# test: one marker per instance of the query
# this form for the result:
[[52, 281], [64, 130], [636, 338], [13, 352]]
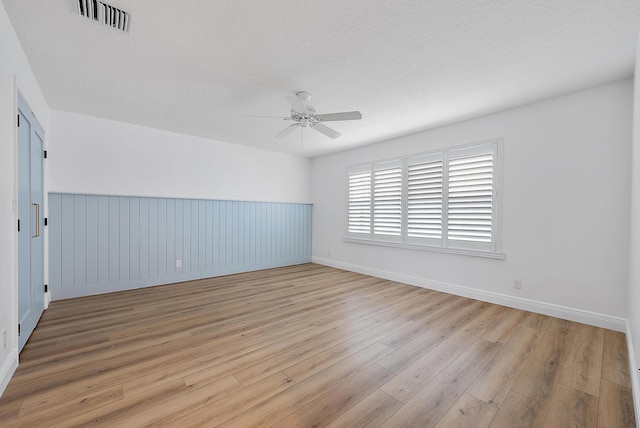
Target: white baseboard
[[558, 311], [633, 370], [9, 367]]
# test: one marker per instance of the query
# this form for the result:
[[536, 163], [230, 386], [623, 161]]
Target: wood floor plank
[[196, 398], [468, 412], [290, 400], [572, 408], [412, 379], [584, 363], [320, 361], [432, 311], [204, 413], [336, 401], [426, 304], [371, 412], [509, 325], [431, 403], [538, 321], [61, 354], [296, 353], [405, 355], [540, 373], [519, 411], [32, 416], [82, 363], [615, 366], [225, 360], [496, 380], [616, 406], [9, 409], [86, 377], [119, 412], [310, 345]]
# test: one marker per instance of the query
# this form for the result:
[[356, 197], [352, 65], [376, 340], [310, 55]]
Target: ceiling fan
[[304, 115]]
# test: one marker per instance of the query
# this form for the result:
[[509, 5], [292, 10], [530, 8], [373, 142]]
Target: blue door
[[30, 222]]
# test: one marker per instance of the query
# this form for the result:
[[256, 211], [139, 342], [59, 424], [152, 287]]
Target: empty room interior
[[302, 214]]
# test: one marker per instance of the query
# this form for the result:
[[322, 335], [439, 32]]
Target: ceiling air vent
[[105, 13]]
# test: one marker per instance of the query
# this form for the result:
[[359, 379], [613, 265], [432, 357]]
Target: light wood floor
[[312, 346]]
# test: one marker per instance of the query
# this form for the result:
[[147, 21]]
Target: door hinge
[[18, 121], [46, 288], [18, 329], [45, 154], [46, 221], [18, 225]]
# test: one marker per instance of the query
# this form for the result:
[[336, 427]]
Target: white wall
[[15, 73], [566, 207], [99, 156], [633, 301]]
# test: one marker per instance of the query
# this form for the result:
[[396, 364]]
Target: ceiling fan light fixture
[[304, 115]]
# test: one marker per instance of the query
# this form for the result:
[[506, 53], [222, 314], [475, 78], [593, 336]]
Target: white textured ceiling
[[196, 66]]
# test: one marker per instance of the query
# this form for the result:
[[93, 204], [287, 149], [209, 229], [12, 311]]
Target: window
[[445, 201]]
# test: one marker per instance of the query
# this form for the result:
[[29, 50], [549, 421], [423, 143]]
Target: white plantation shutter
[[387, 200], [471, 199], [446, 200], [424, 197], [359, 200]]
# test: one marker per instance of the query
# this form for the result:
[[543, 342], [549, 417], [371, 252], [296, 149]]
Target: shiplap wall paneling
[[109, 243]]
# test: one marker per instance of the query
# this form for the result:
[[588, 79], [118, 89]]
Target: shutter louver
[[387, 208], [424, 200], [470, 198], [360, 202]]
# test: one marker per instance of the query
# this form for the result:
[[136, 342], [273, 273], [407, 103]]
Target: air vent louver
[[105, 14]]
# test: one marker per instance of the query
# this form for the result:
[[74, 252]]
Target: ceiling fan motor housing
[[304, 119], [304, 96]]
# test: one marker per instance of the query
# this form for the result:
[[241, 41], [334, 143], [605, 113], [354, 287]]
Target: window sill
[[474, 253]]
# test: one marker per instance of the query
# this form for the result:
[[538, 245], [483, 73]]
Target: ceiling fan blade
[[286, 131], [323, 129], [297, 104], [345, 115], [271, 117]]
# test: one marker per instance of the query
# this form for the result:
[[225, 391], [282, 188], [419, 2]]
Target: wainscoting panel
[[100, 244]]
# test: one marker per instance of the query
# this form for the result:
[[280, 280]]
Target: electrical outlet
[[178, 263], [517, 283], [4, 339]]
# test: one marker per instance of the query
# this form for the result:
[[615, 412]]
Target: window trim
[[430, 248], [443, 245]]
